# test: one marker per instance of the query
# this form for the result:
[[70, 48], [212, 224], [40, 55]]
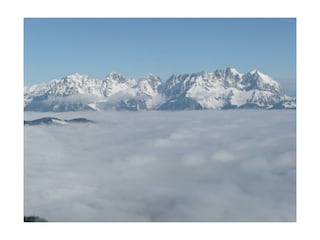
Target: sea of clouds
[[235, 165]]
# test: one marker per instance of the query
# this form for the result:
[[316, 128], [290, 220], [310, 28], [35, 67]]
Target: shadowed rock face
[[53, 120], [181, 103]]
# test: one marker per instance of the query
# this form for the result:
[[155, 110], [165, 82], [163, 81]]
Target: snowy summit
[[221, 89]]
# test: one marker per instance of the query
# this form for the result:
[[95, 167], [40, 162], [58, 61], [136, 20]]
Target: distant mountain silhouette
[[53, 120], [34, 219]]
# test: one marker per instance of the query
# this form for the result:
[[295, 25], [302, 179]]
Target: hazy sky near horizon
[[56, 47]]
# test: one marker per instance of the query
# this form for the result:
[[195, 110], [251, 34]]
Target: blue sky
[[56, 47]]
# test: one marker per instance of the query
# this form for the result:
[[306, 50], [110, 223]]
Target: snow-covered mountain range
[[221, 89]]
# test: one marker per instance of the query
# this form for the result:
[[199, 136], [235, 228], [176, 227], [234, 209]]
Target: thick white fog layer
[[236, 165]]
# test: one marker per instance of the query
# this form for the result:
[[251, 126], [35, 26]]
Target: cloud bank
[[237, 165]]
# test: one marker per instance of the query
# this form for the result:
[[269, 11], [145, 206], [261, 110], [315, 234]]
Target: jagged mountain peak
[[149, 81], [229, 71], [259, 75], [115, 74], [118, 77], [220, 89], [219, 73], [232, 70], [75, 76], [260, 81], [75, 79], [151, 76]]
